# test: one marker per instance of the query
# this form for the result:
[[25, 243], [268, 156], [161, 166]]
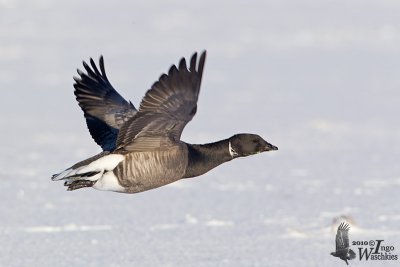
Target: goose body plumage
[[142, 149]]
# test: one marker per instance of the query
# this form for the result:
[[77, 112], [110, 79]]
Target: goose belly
[[141, 171]]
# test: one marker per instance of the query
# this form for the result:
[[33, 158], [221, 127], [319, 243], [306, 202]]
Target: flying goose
[[142, 149], [343, 250]]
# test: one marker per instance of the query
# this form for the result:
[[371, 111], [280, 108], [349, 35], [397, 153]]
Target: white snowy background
[[319, 79]]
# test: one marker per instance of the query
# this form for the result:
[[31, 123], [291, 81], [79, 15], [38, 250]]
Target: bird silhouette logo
[[343, 250]]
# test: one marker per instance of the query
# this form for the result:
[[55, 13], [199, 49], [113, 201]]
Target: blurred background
[[318, 79]]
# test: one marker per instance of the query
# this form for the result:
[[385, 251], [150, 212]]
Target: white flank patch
[[108, 182], [100, 165], [106, 163]]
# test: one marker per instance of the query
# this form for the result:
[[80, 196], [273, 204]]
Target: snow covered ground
[[319, 79]]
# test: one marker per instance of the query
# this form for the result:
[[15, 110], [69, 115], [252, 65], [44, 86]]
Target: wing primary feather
[[172, 71], [167, 106], [103, 70], [182, 65], [94, 67], [88, 70], [201, 64], [104, 108], [80, 73], [193, 62]]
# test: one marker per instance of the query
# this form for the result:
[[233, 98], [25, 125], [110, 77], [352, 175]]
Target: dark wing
[[105, 110], [103, 134], [342, 237], [165, 109]]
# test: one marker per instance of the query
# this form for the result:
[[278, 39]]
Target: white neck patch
[[232, 152]]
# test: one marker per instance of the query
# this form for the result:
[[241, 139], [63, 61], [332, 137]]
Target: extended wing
[[342, 237], [165, 109], [104, 109]]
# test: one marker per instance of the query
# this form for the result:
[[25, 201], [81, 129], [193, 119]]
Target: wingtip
[[172, 70], [85, 65], [92, 62], [193, 60], [80, 73], [102, 68], [182, 64], [101, 61], [202, 61], [76, 79]]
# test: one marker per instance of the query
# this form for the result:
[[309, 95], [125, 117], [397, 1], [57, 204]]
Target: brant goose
[[142, 149]]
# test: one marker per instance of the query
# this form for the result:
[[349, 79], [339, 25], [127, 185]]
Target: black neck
[[203, 158]]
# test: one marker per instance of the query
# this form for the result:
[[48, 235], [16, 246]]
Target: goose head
[[242, 145]]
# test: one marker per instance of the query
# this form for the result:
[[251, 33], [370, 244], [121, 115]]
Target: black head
[[242, 145]]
